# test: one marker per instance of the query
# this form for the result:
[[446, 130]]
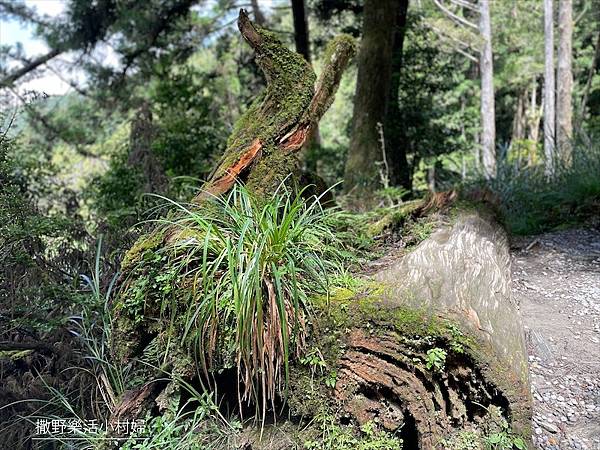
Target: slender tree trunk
[[372, 91], [141, 156], [518, 126], [394, 129], [534, 116], [588, 84], [259, 17], [549, 89], [488, 114], [564, 78]]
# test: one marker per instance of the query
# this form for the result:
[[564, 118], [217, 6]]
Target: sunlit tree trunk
[[549, 89], [534, 115], [564, 78], [486, 66]]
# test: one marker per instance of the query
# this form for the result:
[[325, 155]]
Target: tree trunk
[[564, 81], [549, 90], [302, 40], [262, 148], [259, 17], [588, 84], [534, 115], [518, 125], [301, 29], [261, 153], [488, 114], [394, 129], [141, 155], [373, 82]]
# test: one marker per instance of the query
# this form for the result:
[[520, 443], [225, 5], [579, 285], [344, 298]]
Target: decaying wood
[[460, 275], [280, 121]]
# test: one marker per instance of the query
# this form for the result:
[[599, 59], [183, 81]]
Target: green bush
[[252, 264]]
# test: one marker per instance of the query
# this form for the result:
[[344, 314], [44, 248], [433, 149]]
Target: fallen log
[[436, 343], [428, 350]]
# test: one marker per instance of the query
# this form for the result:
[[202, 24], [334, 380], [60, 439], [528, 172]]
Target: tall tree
[[549, 89], [394, 129], [488, 114], [458, 12], [564, 78], [372, 91], [301, 28]]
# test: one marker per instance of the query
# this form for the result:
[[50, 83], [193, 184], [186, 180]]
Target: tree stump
[[262, 154]]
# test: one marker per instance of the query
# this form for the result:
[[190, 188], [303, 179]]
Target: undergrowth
[[334, 436], [531, 202], [190, 421]]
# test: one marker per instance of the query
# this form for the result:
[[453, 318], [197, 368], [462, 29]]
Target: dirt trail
[[556, 280]]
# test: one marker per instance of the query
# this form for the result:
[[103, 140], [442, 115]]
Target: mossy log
[[262, 154], [434, 345]]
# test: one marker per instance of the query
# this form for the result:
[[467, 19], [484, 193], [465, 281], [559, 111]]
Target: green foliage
[[189, 137], [493, 433], [339, 437], [195, 425], [251, 265], [531, 203], [498, 435], [435, 359]]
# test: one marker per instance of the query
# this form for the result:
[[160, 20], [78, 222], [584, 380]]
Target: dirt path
[[556, 280]]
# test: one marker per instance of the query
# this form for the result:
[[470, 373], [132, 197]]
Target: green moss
[[290, 88], [143, 245]]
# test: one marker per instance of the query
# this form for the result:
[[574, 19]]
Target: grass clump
[[531, 202], [250, 266]]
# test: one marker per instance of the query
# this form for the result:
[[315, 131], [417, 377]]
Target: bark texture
[[361, 175], [262, 150], [549, 89], [564, 81], [488, 114]]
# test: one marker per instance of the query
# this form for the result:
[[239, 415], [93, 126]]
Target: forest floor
[[556, 280]]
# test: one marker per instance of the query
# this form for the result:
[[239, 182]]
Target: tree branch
[[10, 79], [36, 346], [465, 4], [455, 17], [465, 53], [281, 119]]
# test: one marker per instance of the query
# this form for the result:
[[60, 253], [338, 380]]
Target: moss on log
[[153, 297]]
